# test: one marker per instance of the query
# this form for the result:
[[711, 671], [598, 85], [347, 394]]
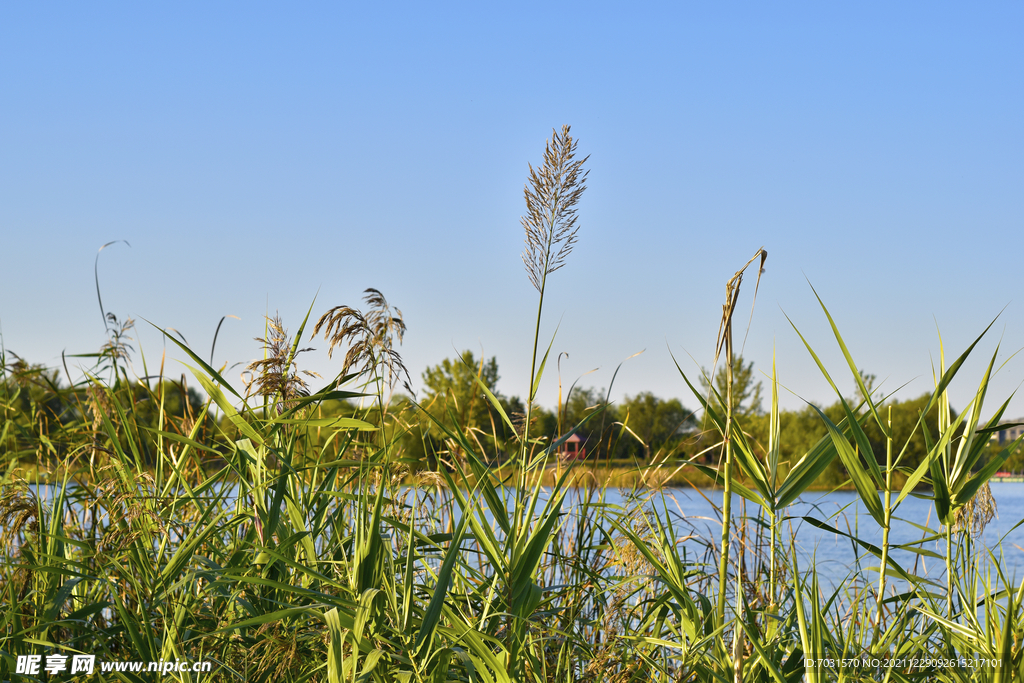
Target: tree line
[[643, 427], [43, 418]]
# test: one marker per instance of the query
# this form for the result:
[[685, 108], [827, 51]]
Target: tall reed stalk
[[886, 528], [955, 476], [552, 194], [732, 293]]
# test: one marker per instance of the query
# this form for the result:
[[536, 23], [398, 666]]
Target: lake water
[[693, 511], [835, 556]]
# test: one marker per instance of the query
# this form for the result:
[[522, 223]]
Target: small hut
[[573, 449]]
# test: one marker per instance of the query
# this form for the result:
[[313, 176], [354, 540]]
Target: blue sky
[[254, 154]]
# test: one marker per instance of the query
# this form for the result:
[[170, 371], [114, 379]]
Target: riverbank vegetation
[[312, 529], [627, 441]]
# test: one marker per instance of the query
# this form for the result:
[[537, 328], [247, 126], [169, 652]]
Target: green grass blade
[[432, 614], [862, 481], [200, 362], [853, 368], [540, 370], [229, 410]]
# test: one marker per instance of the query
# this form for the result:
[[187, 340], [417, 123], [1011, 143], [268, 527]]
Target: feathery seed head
[[275, 375], [370, 336], [552, 193]]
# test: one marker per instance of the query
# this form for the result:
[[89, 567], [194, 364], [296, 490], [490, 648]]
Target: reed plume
[[275, 375], [552, 193], [370, 336], [117, 347]]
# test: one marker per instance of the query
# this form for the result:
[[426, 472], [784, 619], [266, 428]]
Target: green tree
[[148, 406], [747, 391], [1015, 463], [654, 422], [579, 405], [35, 410], [801, 429], [453, 397], [600, 432]]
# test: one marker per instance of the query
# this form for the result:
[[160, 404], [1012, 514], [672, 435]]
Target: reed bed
[[280, 541]]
